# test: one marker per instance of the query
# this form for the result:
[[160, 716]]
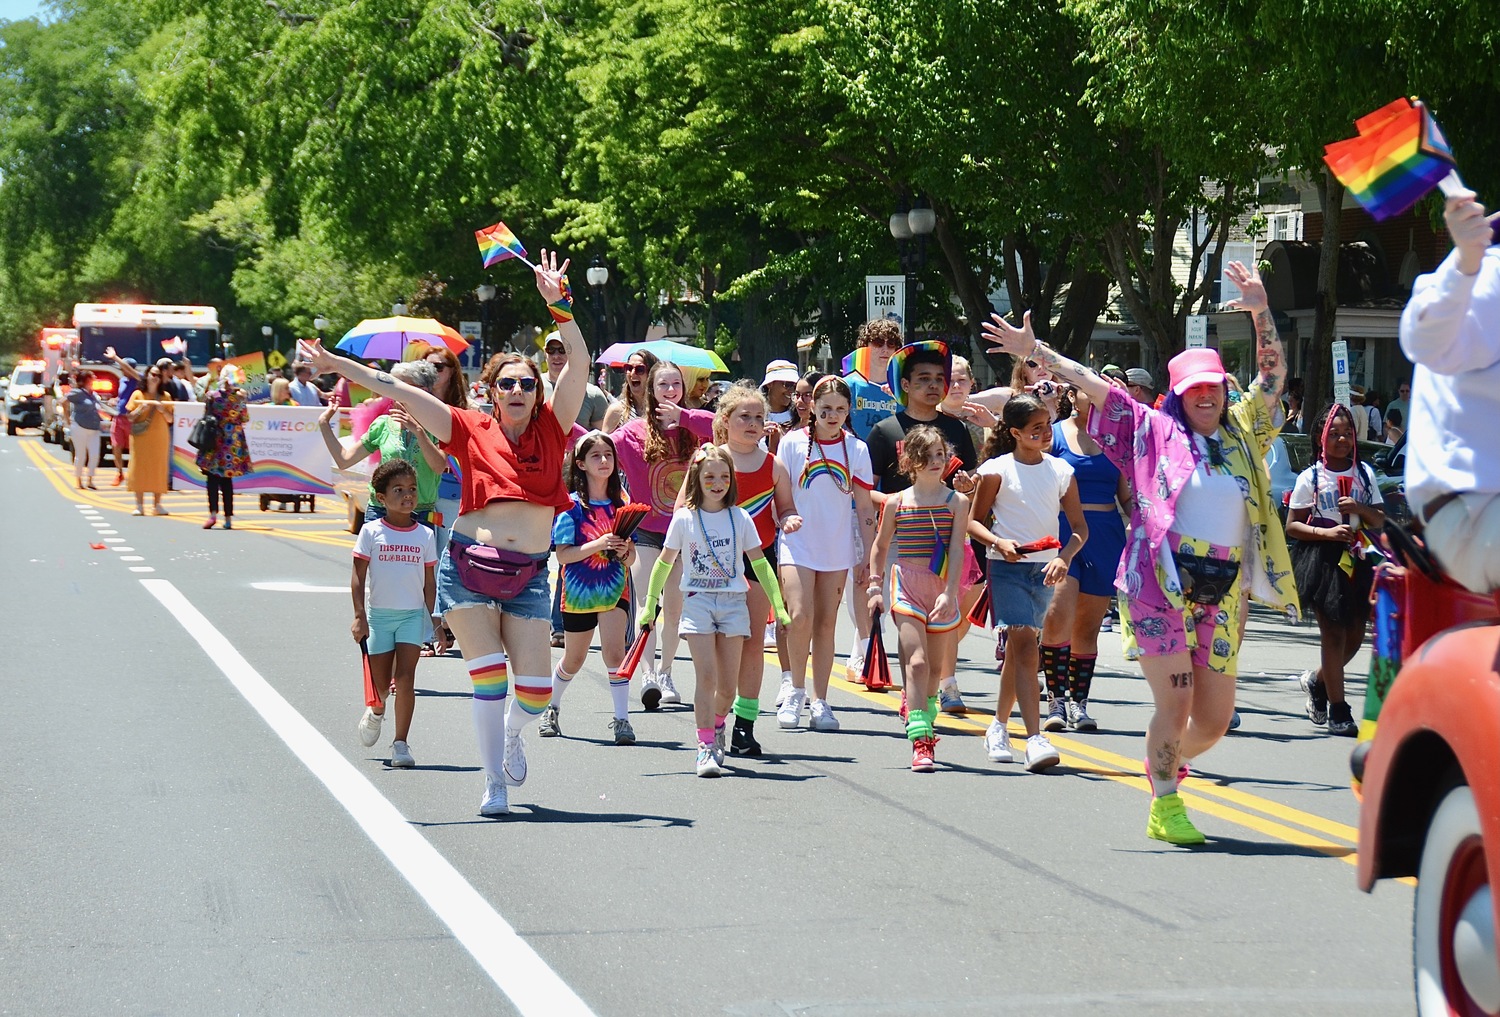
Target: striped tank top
[[922, 533], [757, 491]]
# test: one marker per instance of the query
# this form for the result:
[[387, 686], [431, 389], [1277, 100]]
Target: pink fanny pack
[[493, 572]]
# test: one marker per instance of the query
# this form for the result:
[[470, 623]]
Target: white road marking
[[114, 540], [122, 549], [131, 557], [142, 568], [297, 587], [108, 533], [509, 960]]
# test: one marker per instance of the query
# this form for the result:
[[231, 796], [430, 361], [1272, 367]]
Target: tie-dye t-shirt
[[595, 583]]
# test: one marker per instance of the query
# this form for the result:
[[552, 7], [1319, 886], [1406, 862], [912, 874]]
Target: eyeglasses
[[894, 344], [509, 384]]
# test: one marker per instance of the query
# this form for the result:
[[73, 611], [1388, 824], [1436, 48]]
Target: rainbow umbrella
[[680, 354], [388, 338]]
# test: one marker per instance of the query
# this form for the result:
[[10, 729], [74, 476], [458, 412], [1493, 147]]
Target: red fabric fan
[[628, 517], [877, 673], [1045, 544], [372, 698], [954, 465], [633, 655], [979, 614]]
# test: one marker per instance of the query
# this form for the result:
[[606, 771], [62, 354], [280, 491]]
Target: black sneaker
[[1341, 721], [742, 739], [1317, 697]]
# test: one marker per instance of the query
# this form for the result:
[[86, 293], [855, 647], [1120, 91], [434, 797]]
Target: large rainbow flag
[[858, 362], [497, 243], [1396, 160]]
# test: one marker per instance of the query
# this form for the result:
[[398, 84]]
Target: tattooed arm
[[1270, 356], [1022, 342]]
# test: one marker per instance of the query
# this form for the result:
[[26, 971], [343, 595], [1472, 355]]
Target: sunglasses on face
[[1032, 364], [894, 344], [440, 365], [556, 351], [509, 384], [636, 368]]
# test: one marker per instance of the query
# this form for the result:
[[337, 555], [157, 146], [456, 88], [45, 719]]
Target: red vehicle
[[1430, 781]]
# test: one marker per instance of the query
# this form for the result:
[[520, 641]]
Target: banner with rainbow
[[286, 451]]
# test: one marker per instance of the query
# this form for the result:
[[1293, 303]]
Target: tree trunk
[[1317, 381]]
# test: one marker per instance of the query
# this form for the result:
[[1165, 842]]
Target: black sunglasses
[[507, 384], [636, 368]]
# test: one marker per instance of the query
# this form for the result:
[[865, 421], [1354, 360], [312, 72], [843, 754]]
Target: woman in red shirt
[[492, 579]]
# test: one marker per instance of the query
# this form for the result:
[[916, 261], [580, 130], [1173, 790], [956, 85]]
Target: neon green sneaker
[[1169, 822]]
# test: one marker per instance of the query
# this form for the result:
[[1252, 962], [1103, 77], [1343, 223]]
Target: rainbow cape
[[1398, 157], [497, 242]]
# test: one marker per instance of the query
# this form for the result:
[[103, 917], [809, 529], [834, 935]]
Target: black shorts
[[649, 538], [770, 553], [588, 621]]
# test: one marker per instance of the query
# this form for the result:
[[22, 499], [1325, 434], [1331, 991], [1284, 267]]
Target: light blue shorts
[[1017, 595], [392, 625]]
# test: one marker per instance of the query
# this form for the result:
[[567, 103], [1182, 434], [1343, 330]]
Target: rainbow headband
[[899, 358]]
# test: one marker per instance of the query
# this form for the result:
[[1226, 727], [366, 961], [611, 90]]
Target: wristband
[[562, 308]]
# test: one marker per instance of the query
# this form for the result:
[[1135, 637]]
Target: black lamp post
[[486, 294], [598, 278], [908, 225]]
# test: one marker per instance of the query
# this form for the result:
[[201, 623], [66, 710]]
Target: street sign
[[1340, 372], [885, 297], [1197, 330], [471, 329], [275, 360]]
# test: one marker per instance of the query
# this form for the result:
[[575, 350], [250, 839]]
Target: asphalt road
[[189, 824]]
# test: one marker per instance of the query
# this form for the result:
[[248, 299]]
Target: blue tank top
[[1098, 478]]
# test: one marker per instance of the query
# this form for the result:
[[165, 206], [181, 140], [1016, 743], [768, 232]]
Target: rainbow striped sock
[[560, 680], [531, 698], [490, 676]]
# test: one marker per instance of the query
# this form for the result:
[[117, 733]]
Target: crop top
[[494, 469]]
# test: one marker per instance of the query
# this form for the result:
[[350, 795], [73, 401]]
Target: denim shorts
[[1017, 595], [534, 601], [707, 614], [392, 625]]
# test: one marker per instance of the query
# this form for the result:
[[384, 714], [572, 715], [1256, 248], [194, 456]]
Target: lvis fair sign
[[885, 297]]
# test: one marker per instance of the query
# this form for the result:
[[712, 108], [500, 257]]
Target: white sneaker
[[369, 727], [719, 743], [1040, 754], [650, 691], [515, 760], [496, 800], [822, 716], [401, 755], [997, 743], [768, 642], [786, 688], [669, 696], [791, 709], [856, 666], [708, 763]]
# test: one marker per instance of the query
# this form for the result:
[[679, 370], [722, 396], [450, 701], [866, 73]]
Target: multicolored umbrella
[[388, 338], [680, 354]]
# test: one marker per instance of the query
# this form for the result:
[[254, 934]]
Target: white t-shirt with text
[[1325, 501], [711, 546], [399, 559]]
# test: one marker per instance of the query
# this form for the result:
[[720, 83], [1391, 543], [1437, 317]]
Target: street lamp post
[[399, 308], [268, 333], [916, 223], [486, 294], [320, 323], [598, 277]]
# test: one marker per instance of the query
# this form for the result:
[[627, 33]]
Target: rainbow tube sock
[[746, 709], [531, 698], [560, 680], [491, 686], [1055, 669], [619, 694]]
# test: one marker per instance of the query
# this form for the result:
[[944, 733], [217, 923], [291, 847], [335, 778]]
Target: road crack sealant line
[[1233, 805], [516, 968]]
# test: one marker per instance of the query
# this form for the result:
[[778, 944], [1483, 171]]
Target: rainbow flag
[[497, 242], [1398, 157], [858, 362], [174, 347]]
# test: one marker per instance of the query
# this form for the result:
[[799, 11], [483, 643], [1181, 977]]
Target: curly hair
[[917, 448], [659, 446], [878, 328], [741, 392]]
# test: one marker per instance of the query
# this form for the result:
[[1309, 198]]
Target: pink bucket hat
[[1195, 367]]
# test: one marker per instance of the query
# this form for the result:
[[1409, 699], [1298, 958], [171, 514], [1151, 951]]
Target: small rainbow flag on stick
[[175, 346], [497, 243], [1396, 160]]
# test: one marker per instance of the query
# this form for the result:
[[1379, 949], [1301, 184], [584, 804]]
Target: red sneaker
[[904, 710], [922, 751]]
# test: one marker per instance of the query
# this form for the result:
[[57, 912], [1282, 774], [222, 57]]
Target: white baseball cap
[[780, 370]]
